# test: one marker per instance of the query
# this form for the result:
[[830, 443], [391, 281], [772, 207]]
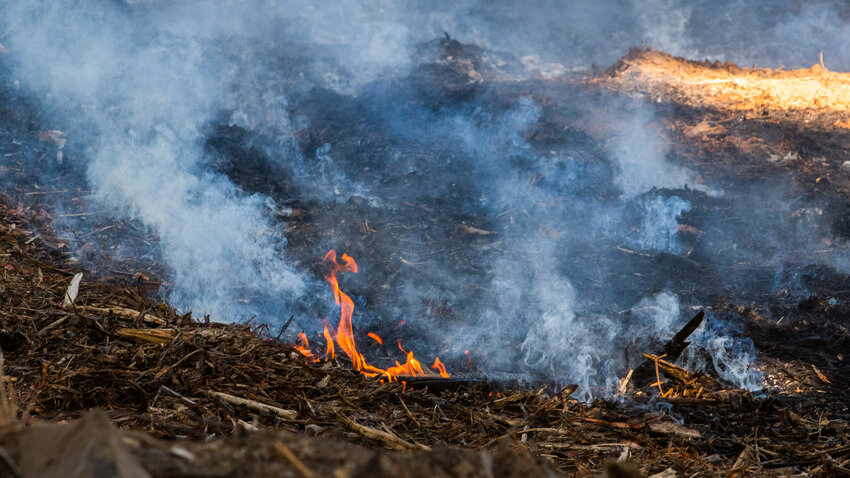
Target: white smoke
[[659, 228], [733, 356], [138, 83]]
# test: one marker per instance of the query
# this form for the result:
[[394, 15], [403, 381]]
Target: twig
[[623, 425], [253, 405], [672, 350], [820, 375], [567, 391], [687, 378], [410, 415], [106, 228], [152, 336], [54, 324], [290, 456], [658, 377], [285, 326], [123, 312], [181, 397], [624, 384], [42, 193], [13, 467], [745, 459], [388, 439]]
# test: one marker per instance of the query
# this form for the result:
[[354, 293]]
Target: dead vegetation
[[662, 77]]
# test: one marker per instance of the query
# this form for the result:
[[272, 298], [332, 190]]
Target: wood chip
[[152, 336], [673, 428], [821, 376]]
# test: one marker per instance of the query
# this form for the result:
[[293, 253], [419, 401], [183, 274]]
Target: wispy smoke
[[135, 88]]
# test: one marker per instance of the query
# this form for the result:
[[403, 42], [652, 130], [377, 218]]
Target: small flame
[[440, 367], [329, 354], [410, 367], [469, 359], [345, 334], [304, 348]]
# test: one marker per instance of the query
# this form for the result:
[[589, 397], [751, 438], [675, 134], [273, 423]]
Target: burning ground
[[517, 250]]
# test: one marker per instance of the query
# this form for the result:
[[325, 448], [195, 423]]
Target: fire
[[344, 333], [344, 337], [304, 348], [410, 367], [329, 354], [440, 367]]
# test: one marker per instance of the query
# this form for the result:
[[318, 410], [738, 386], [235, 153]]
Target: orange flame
[[304, 348], [329, 354], [411, 367], [440, 367], [345, 334]]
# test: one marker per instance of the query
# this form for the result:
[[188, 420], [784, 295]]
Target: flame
[[344, 333], [329, 354], [469, 359], [410, 367], [344, 336], [304, 348], [440, 367]]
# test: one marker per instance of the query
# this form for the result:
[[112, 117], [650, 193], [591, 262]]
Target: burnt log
[[671, 351]]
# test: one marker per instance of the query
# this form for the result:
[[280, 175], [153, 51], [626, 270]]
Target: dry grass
[[726, 86]]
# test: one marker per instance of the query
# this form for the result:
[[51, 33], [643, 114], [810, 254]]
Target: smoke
[[641, 154], [136, 85], [789, 33], [659, 225], [135, 89], [718, 346], [731, 355], [480, 221]]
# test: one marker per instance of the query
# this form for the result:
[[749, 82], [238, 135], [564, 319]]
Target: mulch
[[197, 398]]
